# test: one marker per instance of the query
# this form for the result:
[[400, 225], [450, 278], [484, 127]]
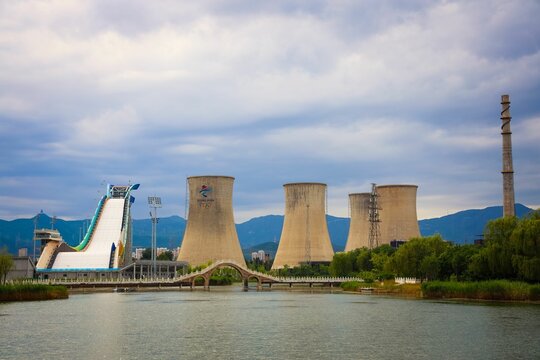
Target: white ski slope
[[97, 253]]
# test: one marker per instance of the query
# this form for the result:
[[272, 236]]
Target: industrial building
[[103, 246], [210, 231], [397, 211], [304, 238], [359, 227]]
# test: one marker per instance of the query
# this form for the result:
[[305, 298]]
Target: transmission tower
[[374, 220]]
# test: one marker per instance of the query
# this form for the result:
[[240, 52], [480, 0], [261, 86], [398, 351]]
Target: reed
[[481, 290], [31, 292]]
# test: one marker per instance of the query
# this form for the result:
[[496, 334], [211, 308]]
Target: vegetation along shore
[[30, 292], [505, 267]]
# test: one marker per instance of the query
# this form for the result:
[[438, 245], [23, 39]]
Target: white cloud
[[191, 149], [13, 105], [390, 91], [526, 132]]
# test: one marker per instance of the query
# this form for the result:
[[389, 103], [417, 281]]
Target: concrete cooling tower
[[304, 238], [359, 227], [397, 212], [210, 231]]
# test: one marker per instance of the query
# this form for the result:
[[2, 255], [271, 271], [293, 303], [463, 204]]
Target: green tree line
[[511, 251]]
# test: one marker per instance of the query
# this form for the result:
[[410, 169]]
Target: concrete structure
[[304, 238], [359, 226], [397, 212], [121, 282], [23, 268], [103, 248], [140, 269], [507, 167], [138, 253], [210, 232]]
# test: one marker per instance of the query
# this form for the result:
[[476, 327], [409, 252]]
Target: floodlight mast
[[154, 202]]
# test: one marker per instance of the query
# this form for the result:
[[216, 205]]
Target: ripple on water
[[261, 325]]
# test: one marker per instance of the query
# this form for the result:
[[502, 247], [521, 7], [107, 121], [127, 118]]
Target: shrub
[[351, 285]]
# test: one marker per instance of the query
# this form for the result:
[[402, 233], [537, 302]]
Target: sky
[[347, 93]]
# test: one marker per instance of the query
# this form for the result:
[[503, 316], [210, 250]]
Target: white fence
[[407, 280]]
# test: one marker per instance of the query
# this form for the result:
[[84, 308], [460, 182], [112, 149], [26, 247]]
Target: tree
[[455, 261], [525, 245], [147, 254], [341, 264], [418, 257], [167, 255], [498, 249], [363, 260], [429, 267], [6, 264]]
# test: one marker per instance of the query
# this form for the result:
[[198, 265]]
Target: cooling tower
[[210, 231], [397, 212], [304, 238], [359, 227]]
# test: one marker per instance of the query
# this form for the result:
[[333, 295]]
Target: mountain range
[[255, 234]]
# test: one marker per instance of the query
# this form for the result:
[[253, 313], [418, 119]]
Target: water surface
[[231, 324]]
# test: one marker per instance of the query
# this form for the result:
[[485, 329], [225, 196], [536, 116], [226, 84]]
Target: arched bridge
[[262, 278], [245, 273], [205, 274]]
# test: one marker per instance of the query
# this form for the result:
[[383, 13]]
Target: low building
[[23, 268]]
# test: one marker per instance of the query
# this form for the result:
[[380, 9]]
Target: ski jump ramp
[[104, 244]]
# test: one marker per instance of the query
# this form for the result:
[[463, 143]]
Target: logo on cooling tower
[[205, 190]]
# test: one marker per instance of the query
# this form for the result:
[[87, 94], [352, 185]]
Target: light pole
[[154, 202]]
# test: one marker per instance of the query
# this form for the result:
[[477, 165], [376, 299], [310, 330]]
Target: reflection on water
[[232, 324]]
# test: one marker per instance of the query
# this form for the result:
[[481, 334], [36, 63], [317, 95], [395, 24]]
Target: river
[[227, 323]]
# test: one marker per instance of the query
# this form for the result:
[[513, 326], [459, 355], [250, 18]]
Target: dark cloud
[[342, 92]]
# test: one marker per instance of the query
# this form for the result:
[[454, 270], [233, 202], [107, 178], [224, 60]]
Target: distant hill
[[267, 229], [465, 226], [254, 234], [169, 232], [18, 233]]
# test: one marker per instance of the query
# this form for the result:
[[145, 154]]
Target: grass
[[30, 292], [482, 290], [387, 287]]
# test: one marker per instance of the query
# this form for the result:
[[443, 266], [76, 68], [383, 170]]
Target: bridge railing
[[202, 272]]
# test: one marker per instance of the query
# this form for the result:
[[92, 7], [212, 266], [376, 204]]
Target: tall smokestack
[[359, 227], [397, 212], [507, 168], [210, 232], [304, 238]]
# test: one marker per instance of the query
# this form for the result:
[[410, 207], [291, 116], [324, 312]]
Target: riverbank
[[481, 290], [498, 290], [384, 288], [32, 292]]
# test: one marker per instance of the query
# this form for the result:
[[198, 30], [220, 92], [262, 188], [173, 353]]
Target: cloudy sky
[[342, 92]]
